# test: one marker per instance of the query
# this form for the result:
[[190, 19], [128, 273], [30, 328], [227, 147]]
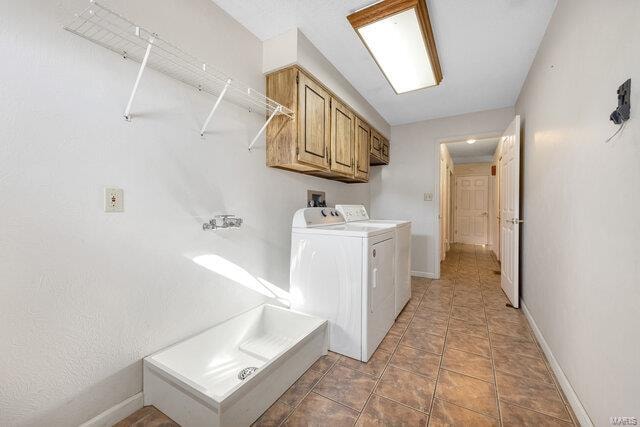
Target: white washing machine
[[358, 214], [344, 273]]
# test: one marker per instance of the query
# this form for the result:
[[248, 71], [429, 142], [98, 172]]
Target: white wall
[[85, 295], [293, 47], [581, 268], [397, 189]]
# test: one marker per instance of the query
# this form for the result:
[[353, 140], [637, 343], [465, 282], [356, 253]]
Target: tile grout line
[[528, 327], [493, 364], [554, 380], [309, 392], [375, 386], [486, 326], [555, 417], [444, 346]]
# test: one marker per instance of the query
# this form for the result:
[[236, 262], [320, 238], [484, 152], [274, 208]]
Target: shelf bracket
[[215, 107], [277, 111], [127, 110]]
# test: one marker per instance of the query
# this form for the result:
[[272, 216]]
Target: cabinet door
[[313, 123], [385, 150], [363, 138], [376, 143], [342, 138]]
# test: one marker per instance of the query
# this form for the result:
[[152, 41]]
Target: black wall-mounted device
[[623, 112]]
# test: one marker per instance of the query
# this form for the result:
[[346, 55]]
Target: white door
[[472, 209], [510, 211]]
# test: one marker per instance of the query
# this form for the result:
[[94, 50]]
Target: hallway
[[455, 356]]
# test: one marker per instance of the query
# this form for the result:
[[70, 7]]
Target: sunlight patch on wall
[[239, 275]]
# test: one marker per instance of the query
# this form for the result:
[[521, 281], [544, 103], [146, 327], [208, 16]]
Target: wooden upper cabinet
[[314, 123], [363, 138], [343, 123], [325, 138], [376, 143], [379, 152], [385, 151]]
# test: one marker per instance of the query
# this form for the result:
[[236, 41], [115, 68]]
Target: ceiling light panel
[[398, 35]]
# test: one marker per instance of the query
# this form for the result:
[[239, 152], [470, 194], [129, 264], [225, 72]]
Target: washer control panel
[[313, 217], [353, 212]]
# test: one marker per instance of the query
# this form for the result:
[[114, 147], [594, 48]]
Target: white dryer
[[358, 214], [344, 273]]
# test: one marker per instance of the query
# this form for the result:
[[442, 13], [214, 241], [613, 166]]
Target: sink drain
[[244, 373]]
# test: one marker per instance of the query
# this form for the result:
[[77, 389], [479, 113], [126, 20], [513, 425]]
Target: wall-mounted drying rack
[[116, 33]]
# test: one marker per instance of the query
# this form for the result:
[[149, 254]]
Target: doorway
[[467, 203], [479, 184]]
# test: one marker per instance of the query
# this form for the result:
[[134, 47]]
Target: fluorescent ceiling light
[[399, 37], [471, 141]]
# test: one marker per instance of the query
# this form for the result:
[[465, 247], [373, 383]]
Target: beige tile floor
[[455, 356]]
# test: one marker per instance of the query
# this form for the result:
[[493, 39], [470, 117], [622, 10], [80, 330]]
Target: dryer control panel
[[353, 212], [314, 217]]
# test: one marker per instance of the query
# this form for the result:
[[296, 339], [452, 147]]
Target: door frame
[[436, 193], [450, 210]]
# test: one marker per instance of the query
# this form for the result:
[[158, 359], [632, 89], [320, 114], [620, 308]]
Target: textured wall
[[581, 262], [85, 295]]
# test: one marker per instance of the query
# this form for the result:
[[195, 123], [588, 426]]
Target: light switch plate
[[113, 200], [428, 197]]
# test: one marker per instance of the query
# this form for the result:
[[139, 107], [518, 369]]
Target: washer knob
[[323, 212]]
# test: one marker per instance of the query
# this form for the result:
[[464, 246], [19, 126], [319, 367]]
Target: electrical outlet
[[113, 200], [428, 197]]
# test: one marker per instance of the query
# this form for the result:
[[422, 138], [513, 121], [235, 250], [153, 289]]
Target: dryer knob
[[323, 212]]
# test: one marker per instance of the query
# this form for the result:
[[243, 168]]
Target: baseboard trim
[[423, 274], [569, 392], [117, 412]]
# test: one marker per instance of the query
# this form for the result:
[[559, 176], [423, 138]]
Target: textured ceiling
[[485, 47], [461, 152]]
